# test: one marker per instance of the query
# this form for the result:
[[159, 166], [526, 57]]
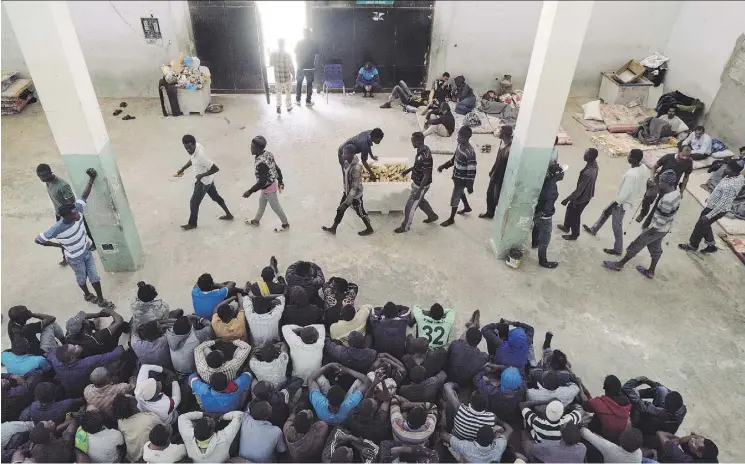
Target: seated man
[[370, 419], [134, 425], [260, 440], [505, 388], [270, 283], [221, 395], [423, 388], [550, 388], [693, 448], [467, 418], [335, 406], [628, 448], [269, 363], [553, 361], [18, 393], [210, 360], [299, 311], [664, 413], [418, 354], [488, 446], [435, 324], [388, 326], [465, 358], [612, 410], [150, 344], [407, 97], [305, 436], [150, 396], [148, 307], [263, 315], [206, 295], [102, 390], [354, 355], [160, 449], [183, 338], [73, 371], [278, 398], [342, 446], [205, 444], [306, 348], [412, 423], [20, 361], [700, 144], [82, 331], [307, 275], [368, 79], [99, 442], [464, 96], [548, 426], [46, 409], [338, 292], [351, 321], [229, 323], [676, 124], [49, 332], [442, 90], [51, 443], [568, 449], [517, 349], [440, 121]]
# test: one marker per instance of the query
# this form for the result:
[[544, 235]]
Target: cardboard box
[[630, 72]]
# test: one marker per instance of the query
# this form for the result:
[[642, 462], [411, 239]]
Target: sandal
[[91, 298], [645, 272], [103, 303]]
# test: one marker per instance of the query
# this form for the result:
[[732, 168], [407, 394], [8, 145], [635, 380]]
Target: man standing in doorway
[[421, 179], [352, 193], [71, 237], [655, 227], [362, 144], [578, 200], [631, 188], [718, 205], [205, 170], [496, 175], [60, 193], [284, 72], [463, 163], [306, 52], [268, 180]]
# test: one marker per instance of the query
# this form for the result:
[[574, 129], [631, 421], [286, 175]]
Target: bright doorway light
[[281, 20]]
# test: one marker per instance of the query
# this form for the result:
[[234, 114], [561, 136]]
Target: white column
[[51, 49], [558, 41]]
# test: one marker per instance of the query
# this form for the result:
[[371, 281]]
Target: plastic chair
[[333, 79]]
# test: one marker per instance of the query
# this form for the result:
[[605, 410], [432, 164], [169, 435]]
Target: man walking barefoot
[[205, 170], [352, 193], [71, 237], [463, 163], [268, 180], [421, 179], [577, 201]]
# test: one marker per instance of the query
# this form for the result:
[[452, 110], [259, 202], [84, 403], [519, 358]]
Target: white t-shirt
[[102, 446], [202, 164], [172, 453]]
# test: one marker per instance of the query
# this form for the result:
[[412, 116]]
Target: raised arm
[[313, 377], [45, 319], [87, 190], [145, 370]]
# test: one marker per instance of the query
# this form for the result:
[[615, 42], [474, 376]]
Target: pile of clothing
[[186, 73], [17, 93]]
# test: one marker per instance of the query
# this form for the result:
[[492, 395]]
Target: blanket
[[616, 145], [653, 131], [503, 111]]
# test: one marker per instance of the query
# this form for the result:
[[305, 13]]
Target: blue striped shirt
[[72, 237]]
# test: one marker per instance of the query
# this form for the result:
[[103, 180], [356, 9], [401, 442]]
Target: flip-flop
[[225, 217], [91, 298], [117, 112], [102, 303], [645, 272], [611, 266], [128, 117]]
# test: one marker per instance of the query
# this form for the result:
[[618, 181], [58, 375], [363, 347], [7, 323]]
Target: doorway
[[281, 20]]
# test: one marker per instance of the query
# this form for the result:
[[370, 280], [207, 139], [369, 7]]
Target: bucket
[[514, 257]]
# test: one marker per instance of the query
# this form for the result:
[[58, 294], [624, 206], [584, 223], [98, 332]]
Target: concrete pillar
[[55, 61], [558, 41]]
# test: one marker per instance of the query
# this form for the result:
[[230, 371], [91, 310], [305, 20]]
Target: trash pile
[[16, 93], [187, 73]]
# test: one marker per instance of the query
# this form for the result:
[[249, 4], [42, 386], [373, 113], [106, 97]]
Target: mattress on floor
[[589, 124], [617, 145], [447, 145], [651, 156]]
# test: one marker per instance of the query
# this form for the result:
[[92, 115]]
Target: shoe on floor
[[589, 230], [548, 264], [486, 216], [309, 103], [611, 251], [569, 237], [188, 227], [448, 222], [432, 219], [686, 247], [289, 108], [562, 228], [464, 211], [365, 232], [386, 105], [710, 249], [331, 230], [399, 230]]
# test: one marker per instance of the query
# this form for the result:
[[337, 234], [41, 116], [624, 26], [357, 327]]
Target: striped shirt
[[665, 211], [464, 161], [544, 429], [423, 164], [263, 328], [403, 433], [229, 368], [724, 194], [468, 422], [72, 237]]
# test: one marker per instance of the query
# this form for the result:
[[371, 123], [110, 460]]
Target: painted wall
[[484, 40], [120, 61]]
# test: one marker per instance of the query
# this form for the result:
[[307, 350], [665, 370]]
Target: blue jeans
[[617, 213], [309, 75], [84, 268]]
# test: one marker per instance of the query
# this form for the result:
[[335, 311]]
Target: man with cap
[[81, 330], [268, 180], [102, 390], [655, 227], [548, 426], [150, 396], [352, 195]]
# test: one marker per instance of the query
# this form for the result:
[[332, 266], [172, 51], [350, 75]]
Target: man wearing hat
[[81, 330], [150, 396], [655, 227], [352, 195], [546, 427], [268, 180]]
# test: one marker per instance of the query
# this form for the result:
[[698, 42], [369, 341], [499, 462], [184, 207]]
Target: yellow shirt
[[340, 330], [233, 330]]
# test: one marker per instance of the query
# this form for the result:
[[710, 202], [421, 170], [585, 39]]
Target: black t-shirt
[[27, 331], [302, 315], [433, 363], [425, 391], [306, 51], [447, 120], [332, 316], [376, 428], [99, 342], [670, 162]]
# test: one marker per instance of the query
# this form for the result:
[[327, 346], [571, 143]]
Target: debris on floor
[[117, 112], [123, 105], [214, 108], [16, 95]]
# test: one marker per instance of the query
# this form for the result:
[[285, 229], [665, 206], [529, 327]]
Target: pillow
[[592, 110], [620, 128]]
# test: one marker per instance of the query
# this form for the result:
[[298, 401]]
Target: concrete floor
[[684, 329]]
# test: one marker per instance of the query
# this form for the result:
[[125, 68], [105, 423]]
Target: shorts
[[84, 268]]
